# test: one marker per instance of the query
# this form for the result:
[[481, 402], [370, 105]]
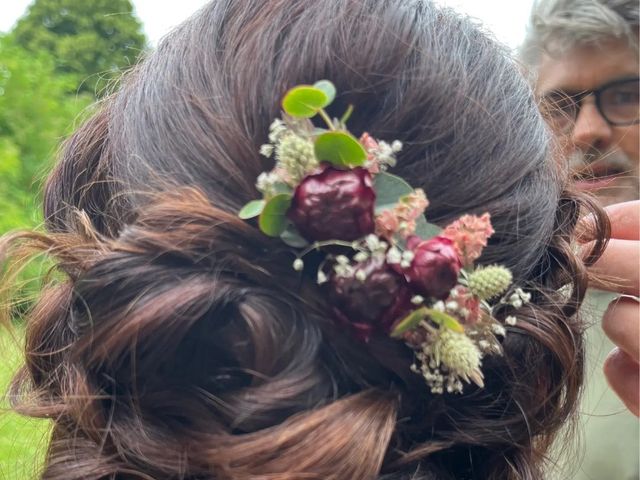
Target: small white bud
[[498, 329], [394, 256], [439, 306], [322, 278], [417, 299], [266, 150], [510, 320], [361, 257], [342, 260], [361, 275], [298, 264], [408, 256], [372, 242], [396, 146], [453, 306]]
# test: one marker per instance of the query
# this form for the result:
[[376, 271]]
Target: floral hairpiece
[[385, 269]]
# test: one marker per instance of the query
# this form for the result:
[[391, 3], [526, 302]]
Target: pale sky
[[505, 18]]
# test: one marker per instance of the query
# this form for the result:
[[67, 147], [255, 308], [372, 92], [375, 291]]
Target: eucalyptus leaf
[[389, 189], [304, 101], [292, 238], [273, 219], [445, 320], [252, 209], [426, 230], [328, 88], [281, 187], [340, 148], [409, 322]]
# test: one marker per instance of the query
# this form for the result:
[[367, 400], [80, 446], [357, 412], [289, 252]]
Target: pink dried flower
[[409, 209], [371, 146], [387, 223], [402, 218], [469, 234], [469, 303]]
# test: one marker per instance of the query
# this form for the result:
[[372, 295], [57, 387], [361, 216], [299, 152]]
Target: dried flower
[[468, 305], [402, 218], [334, 205], [489, 282], [380, 155], [469, 234], [295, 156], [458, 353], [266, 150], [387, 223], [518, 298], [266, 183]]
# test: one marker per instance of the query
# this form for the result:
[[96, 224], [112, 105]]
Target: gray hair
[[559, 25]]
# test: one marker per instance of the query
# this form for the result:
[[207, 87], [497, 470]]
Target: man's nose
[[591, 130]]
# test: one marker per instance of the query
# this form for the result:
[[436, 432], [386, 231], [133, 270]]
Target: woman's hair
[[182, 345]]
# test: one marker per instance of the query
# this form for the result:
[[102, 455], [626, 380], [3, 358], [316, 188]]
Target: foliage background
[[58, 60]]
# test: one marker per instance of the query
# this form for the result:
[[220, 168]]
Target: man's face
[[604, 158]]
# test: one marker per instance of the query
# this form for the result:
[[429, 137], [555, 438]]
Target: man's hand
[[619, 267]]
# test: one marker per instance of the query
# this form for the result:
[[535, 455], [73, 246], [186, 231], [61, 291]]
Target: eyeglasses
[[618, 103]]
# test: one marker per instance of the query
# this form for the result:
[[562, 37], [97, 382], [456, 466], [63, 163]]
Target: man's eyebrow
[[561, 92], [572, 92]]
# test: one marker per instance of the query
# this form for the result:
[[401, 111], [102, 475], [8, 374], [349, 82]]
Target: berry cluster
[[386, 271]]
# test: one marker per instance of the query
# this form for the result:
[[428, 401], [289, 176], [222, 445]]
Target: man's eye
[[624, 98]]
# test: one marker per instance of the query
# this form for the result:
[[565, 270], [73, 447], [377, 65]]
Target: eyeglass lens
[[618, 103]]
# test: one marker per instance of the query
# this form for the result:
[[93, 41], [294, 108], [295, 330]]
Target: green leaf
[[389, 189], [304, 101], [252, 209], [445, 320], [292, 238], [426, 230], [409, 322], [340, 148], [281, 187], [273, 219], [328, 88]]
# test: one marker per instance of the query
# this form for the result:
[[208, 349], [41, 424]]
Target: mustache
[[612, 160]]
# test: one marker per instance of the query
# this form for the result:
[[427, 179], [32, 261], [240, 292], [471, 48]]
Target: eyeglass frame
[[597, 93]]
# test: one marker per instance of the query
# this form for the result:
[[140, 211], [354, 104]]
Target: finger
[[617, 270], [624, 218], [621, 324], [623, 375]]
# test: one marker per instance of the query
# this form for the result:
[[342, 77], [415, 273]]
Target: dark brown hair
[[181, 344]]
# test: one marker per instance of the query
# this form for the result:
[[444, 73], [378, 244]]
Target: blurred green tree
[[94, 40], [35, 113]]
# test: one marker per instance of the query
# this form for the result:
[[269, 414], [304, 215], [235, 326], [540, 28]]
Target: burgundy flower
[[372, 304], [334, 205], [435, 266]]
